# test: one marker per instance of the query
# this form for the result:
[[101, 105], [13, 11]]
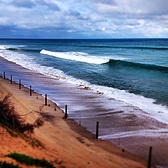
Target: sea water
[[120, 69], [128, 76]]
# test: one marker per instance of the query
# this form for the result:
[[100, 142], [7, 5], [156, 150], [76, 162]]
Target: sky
[[67, 19]]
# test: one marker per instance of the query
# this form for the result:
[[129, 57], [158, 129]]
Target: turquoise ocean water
[[134, 71], [137, 66]]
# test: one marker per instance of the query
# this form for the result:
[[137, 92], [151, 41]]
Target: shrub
[[9, 117]]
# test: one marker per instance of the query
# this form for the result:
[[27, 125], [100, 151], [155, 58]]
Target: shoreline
[[83, 138]]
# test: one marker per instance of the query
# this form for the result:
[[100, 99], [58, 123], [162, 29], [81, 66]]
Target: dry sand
[[66, 144]]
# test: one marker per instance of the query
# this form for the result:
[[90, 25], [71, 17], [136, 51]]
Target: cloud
[[110, 2], [75, 15], [150, 7], [84, 18], [3, 20], [49, 4], [23, 3]]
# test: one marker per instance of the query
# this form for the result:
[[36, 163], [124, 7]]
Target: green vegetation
[[8, 165], [22, 158]]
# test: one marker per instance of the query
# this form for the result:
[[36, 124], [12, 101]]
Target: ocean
[[119, 82]]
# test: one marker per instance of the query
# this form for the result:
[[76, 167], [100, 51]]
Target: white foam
[[146, 132], [29, 63], [77, 56], [2, 48]]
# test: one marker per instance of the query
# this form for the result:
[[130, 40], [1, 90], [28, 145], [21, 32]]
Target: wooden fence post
[[11, 79], [30, 91], [4, 74], [19, 83], [45, 99], [97, 130], [150, 157], [66, 114]]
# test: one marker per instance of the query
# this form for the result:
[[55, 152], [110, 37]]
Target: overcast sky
[[83, 18]]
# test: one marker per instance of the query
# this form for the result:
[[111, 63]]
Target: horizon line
[[84, 38]]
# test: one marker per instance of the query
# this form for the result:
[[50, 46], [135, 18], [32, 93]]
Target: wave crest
[[77, 56]]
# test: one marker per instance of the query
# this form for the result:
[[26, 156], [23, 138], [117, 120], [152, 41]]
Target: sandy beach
[[65, 143]]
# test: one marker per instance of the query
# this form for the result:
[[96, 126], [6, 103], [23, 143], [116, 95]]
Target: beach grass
[[22, 158]]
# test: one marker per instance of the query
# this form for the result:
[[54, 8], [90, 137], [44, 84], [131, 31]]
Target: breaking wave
[[77, 56]]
